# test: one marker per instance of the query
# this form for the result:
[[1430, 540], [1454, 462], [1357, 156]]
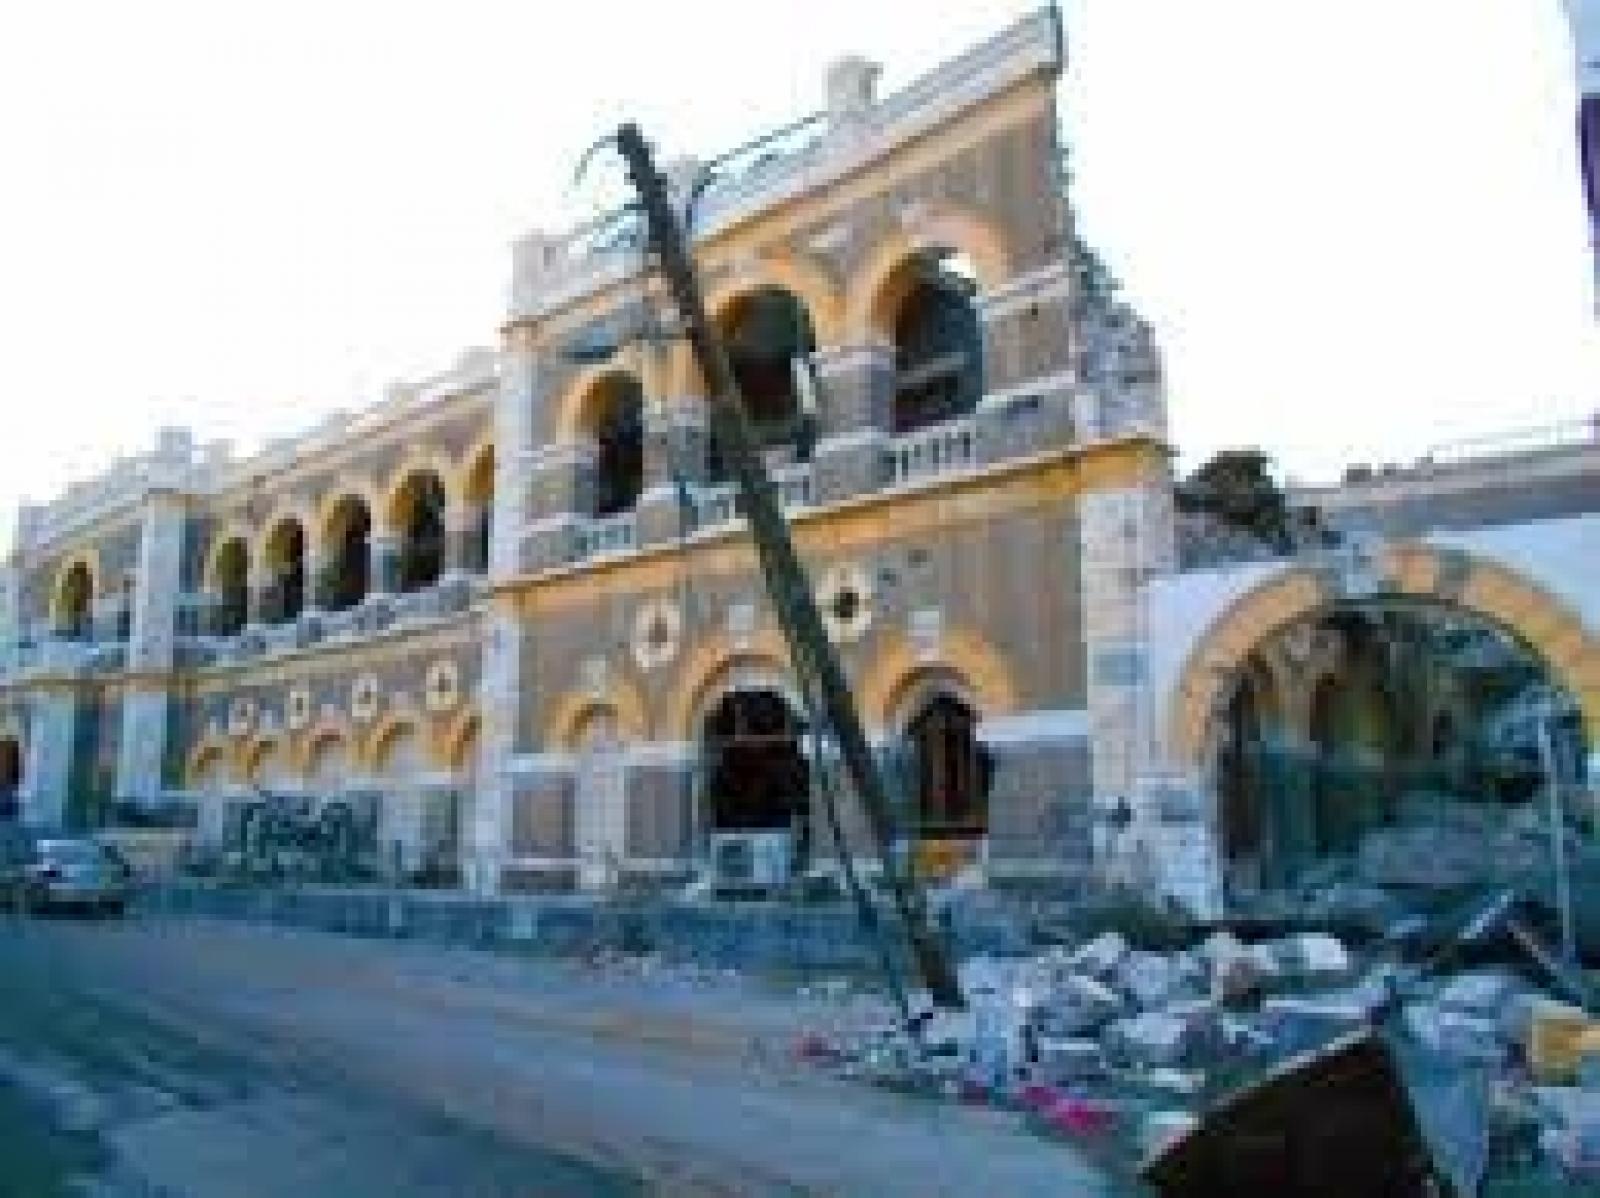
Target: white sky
[[1356, 223]]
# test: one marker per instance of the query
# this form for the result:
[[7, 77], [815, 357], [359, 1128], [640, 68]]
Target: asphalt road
[[186, 1057]]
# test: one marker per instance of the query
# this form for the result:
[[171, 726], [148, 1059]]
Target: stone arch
[[232, 531], [330, 726], [344, 532], [1494, 592], [577, 407], [802, 278], [959, 654], [207, 762], [920, 686], [415, 516], [326, 759], [574, 711], [389, 516], [884, 279], [458, 742], [74, 594], [265, 761], [395, 729], [708, 670]]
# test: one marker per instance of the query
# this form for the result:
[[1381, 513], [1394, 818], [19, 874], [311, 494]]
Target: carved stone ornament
[[845, 597], [441, 688], [657, 633], [364, 696]]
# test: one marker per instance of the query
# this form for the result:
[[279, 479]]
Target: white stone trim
[[832, 360], [869, 438], [1061, 382], [1034, 727], [661, 752], [524, 765], [1041, 285]]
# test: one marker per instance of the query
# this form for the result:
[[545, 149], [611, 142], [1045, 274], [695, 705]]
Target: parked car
[[78, 874]]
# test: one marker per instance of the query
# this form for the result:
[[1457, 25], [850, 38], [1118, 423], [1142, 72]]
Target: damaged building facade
[[513, 610], [514, 604]]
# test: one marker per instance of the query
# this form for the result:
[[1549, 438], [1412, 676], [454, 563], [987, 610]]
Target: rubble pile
[[1108, 1042]]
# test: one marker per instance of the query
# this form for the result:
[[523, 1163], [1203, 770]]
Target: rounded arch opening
[[74, 617], [946, 774], [770, 338], [230, 588], [1357, 734], [478, 493], [347, 554], [938, 339], [755, 773], [417, 517], [614, 421], [284, 559]]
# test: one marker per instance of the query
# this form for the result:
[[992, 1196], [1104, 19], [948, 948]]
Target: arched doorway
[[756, 776], [615, 423], [10, 778], [1388, 725]]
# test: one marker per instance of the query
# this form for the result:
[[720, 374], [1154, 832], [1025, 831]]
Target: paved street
[[189, 1057]]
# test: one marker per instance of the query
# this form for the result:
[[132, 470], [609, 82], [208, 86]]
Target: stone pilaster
[[560, 485], [383, 563], [47, 774], [461, 555], [1126, 536], [151, 646], [522, 392]]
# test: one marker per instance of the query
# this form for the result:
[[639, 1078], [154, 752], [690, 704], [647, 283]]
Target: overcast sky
[[1356, 224]]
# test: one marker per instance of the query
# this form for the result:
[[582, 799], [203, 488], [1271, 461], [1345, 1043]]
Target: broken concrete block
[[1101, 955], [1164, 1039], [1317, 957], [1301, 1023], [1078, 1004], [1480, 992], [1160, 1128], [1150, 979], [1456, 1035], [1065, 1061]]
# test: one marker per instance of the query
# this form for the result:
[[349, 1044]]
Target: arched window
[[769, 338], [949, 767], [419, 520], [75, 603], [617, 425], [347, 554], [286, 573], [480, 503], [938, 345], [231, 588]]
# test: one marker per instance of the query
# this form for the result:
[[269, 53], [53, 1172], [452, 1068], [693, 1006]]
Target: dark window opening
[[422, 533], [349, 562], [769, 338], [75, 614], [619, 444], [233, 589], [951, 769], [757, 778], [938, 350], [286, 574], [10, 779]]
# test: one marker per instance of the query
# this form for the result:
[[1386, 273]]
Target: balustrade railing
[[940, 449]]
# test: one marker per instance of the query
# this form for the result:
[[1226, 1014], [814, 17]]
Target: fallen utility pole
[[787, 584]]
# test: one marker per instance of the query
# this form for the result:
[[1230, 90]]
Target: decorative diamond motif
[[364, 696]]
